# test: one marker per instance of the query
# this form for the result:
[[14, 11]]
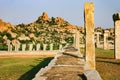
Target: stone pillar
[[51, 47], [105, 46], [77, 39], [38, 47], [89, 26], [30, 47], [44, 47], [60, 46], [116, 19], [17, 46], [9, 47], [23, 47], [98, 39]]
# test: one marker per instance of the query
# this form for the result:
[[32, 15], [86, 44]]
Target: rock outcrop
[[44, 17], [4, 26]]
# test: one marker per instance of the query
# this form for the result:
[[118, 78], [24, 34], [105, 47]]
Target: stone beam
[[89, 26]]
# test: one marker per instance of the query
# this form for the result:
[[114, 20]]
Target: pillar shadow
[[108, 60], [82, 76], [31, 74], [105, 57]]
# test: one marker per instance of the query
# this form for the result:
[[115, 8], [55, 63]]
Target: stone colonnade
[[24, 46]]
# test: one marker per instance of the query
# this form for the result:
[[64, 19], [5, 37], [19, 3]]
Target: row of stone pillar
[[31, 47], [105, 44]]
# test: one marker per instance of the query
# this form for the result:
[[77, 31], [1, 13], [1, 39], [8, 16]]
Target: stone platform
[[67, 65]]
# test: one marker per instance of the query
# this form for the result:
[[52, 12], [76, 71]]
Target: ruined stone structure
[[17, 46], [60, 46], [89, 26], [77, 39], [98, 39], [30, 47], [105, 46], [38, 47], [51, 47], [44, 47], [9, 47], [116, 19], [23, 47]]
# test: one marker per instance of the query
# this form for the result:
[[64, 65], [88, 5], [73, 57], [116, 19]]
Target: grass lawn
[[106, 65], [21, 68]]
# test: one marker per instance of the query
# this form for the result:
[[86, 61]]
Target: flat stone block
[[92, 75]]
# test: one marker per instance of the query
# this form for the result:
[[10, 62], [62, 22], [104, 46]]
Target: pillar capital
[[116, 17]]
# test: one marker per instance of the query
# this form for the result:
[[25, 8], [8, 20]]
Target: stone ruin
[[90, 42], [88, 71], [16, 45], [116, 19]]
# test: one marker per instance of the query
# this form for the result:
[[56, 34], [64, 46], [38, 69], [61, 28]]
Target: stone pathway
[[67, 65]]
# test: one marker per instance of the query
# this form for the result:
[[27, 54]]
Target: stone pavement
[[68, 64]]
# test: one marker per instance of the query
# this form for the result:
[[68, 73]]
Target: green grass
[[106, 65], [21, 68]]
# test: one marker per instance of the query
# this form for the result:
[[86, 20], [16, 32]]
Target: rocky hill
[[4, 26], [43, 30]]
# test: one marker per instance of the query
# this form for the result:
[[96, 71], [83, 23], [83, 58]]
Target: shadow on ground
[[108, 60], [31, 74]]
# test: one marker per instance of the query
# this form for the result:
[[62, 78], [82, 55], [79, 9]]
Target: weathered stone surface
[[89, 26], [92, 75], [116, 18], [70, 64], [105, 46]]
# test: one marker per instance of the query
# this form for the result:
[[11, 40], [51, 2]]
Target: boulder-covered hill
[[43, 30], [4, 26]]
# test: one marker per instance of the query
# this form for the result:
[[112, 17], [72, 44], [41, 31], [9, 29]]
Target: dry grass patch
[[107, 66]]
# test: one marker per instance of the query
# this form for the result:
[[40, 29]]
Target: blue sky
[[27, 11]]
